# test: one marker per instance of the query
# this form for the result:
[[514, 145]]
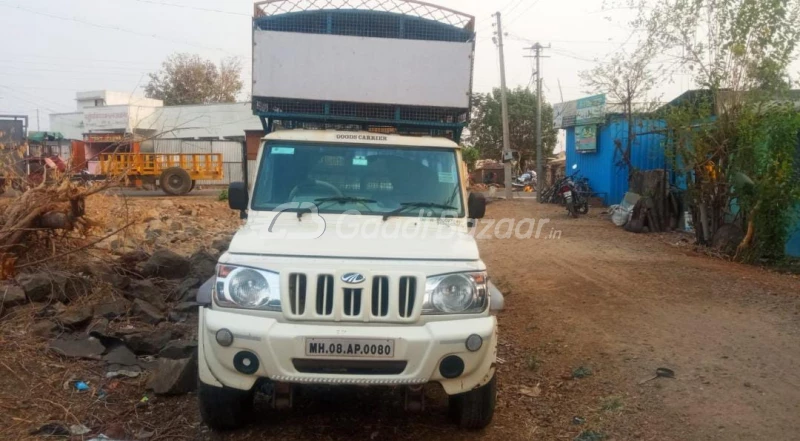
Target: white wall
[[111, 98], [214, 120], [69, 124], [218, 120]]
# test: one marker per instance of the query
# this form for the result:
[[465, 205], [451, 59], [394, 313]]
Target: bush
[[223, 195]]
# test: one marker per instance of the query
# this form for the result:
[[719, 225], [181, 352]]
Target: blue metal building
[[604, 165]]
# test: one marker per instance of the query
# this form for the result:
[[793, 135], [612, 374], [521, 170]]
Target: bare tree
[[189, 79], [627, 80]]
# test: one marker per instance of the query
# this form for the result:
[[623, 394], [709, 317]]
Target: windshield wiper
[[406, 205], [340, 199], [344, 200]]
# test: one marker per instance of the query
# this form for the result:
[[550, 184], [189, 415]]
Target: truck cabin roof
[[371, 138]]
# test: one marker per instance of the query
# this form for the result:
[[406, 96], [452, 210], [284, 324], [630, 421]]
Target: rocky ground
[[108, 346], [91, 339]]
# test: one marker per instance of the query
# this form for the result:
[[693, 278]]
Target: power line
[[519, 15], [33, 96], [14, 63], [16, 55], [111, 28], [121, 72], [514, 7], [501, 10], [17, 97], [568, 55], [196, 8]]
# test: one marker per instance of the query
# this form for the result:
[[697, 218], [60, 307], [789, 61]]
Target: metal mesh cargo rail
[[310, 16]]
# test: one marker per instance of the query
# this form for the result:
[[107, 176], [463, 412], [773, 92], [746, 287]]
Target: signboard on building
[[12, 131], [105, 137], [586, 139], [585, 111], [116, 118], [564, 114], [591, 110]]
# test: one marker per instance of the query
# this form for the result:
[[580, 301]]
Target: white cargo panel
[[326, 67]]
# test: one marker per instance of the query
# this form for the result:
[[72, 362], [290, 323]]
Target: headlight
[[456, 294], [247, 288]]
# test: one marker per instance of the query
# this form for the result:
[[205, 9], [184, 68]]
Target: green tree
[[188, 79], [486, 127], [734, 141], [471, 155]]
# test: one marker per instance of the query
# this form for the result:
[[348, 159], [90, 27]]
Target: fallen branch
[[76, 249]]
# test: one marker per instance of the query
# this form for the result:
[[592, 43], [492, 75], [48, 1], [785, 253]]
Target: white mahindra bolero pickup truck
[[356, 266]]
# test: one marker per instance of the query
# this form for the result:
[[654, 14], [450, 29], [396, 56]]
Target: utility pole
[[38, 127], [504, 104], [537, 48]]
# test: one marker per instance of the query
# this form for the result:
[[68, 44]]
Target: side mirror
[[477, 206], [237, 196]]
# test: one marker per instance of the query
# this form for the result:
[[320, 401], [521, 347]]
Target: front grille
[[325, 295], [380, 296], [408, 295], [349, 367], [297, 293], [311, 295], [352, 302]]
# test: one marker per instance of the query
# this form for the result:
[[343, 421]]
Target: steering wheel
[[311, 184]]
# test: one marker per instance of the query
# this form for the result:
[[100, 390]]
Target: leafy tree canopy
[[486, 128], [188, 79]]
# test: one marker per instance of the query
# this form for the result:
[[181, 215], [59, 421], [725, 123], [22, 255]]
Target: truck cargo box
[[378, 63]]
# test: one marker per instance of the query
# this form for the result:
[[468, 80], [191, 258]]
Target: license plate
[[337, 347]]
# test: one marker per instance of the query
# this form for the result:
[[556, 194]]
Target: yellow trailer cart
[[176, 173]]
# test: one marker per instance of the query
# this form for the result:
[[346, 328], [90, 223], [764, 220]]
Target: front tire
[[474, 410], [223, 408], [584, 207]]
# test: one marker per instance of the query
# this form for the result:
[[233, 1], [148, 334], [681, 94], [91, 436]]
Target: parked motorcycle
[[573, 194]]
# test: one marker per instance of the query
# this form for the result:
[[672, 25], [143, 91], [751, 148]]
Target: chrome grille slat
[[408, 289], [324, 298], [380, 296], [297, 293], [352, 302]]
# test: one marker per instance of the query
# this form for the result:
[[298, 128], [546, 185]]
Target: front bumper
[[277, 344]]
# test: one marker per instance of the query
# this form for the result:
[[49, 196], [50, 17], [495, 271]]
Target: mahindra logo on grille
[[353, 278]]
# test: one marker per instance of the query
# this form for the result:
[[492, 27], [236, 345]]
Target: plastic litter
[[81, 386], [123, 373], [144, 434], [79, 429]]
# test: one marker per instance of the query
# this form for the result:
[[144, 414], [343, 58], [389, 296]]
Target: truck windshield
[[372, 180]]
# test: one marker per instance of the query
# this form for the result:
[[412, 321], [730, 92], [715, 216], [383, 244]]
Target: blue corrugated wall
[[793, 245], [607, 177]]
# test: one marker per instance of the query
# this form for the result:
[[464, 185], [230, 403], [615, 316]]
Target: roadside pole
[[504, 104], [537, 48]]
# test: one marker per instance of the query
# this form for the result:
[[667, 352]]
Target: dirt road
[[598, 303], [614, 307]]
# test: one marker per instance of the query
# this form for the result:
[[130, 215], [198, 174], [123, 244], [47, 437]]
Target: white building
[[104, 120], [109, 112]]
